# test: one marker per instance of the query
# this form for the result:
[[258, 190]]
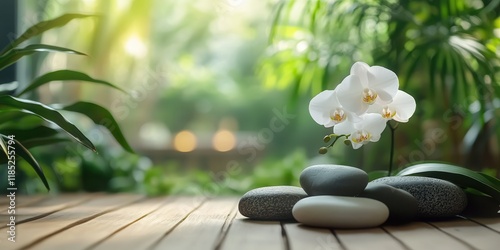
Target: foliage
[[462, 177], [29, 123], [445, 52]]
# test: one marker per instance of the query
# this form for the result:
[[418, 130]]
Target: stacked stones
[[340, 197]]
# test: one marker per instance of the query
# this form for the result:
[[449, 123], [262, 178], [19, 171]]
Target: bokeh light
[[185, 141], [224, 140]]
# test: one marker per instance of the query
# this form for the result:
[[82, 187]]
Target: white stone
[[340, 212]]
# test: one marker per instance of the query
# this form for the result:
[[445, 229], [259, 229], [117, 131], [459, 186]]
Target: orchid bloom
[[367, 130], [326, 110], [366, 85], [400, 109]]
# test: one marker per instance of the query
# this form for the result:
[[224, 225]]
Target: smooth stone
[[436, 198], [402, 205], [340, 212], [338, 180], [270, 203]]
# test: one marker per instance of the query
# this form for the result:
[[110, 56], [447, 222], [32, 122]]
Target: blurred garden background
[[219, 89]]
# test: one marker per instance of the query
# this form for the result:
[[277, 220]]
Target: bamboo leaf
[[30, 133], [462, 177], [35, 142], [3, 145], [43, 26], [49, 114], [15, 54], [64, 75], [100, 116], [28, 157], [7, 88]]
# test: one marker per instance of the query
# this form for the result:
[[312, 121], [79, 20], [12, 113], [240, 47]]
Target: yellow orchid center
[[369, 96], [338, 115], [388, 113], [360, 136]]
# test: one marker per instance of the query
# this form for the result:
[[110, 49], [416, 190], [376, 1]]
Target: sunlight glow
[[135, 47], [185, 141], [224, 140]]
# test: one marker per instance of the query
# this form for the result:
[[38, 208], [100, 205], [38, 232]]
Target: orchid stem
[[391, 160]]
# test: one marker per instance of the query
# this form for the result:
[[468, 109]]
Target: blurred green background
[[220, 88]]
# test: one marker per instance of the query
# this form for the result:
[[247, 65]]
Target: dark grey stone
[[436, 198], [329, 179], [402, 205], [270, 203]]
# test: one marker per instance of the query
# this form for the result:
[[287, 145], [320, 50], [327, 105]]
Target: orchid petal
[[320, 106], [356, 145], [384, 81], [345, 128], [405, 106], [350, 94], [360, 69], [374, 123]]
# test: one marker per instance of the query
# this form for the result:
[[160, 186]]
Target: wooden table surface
[[129, 221]]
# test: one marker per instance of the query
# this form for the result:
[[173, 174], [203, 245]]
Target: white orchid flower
[[367, 130], [365, 85], [326, 110], [400, 109]]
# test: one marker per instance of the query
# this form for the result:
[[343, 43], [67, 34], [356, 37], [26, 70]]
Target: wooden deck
[[127, 221]]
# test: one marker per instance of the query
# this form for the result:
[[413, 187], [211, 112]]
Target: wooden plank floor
[[129, 221]]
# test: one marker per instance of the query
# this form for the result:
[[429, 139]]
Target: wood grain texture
[[34, 231], [370, 238], [413, 235], [147, 231], [474, 234], [128, 221], [245, 234], [206, 223]]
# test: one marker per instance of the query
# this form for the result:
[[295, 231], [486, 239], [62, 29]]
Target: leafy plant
[[445, 53], [26, 123]]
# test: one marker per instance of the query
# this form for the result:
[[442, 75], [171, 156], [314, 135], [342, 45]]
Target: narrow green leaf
[[15, 54], [462, 177], [43, 26], [30, 133], [276, 18], [35, 142], [24, 153], [64, 75], [49, 114], [101, 116], [7, 88], [3, 145]]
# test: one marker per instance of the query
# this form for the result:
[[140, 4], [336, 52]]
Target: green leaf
[[49, 114], [102, 117], [7, 88], [35, 142], [462, 177], [3, 145], [27, 156], [64, 75], [15, 54], [43, 26], [30, 133]]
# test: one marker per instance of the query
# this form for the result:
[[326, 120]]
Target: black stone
[[270, 203], [402, 205], [436, 198], [338, 180]]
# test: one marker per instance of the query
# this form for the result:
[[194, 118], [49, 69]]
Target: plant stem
[[391, 160]]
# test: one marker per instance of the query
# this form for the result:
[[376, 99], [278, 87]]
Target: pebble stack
[[337, 196]]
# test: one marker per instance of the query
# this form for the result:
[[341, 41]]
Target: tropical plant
[[26, 123], [445, 52]]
